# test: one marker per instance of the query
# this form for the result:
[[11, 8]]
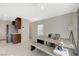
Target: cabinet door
[[18, 23], [16, 38]]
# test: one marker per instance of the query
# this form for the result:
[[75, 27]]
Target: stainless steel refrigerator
[[9, 30]]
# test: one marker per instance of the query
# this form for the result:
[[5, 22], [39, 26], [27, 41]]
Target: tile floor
[[21, 49]]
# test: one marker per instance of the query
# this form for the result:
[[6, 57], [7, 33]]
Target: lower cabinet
[[16, 38]]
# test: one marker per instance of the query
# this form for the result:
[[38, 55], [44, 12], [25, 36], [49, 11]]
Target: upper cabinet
[[18, 23]]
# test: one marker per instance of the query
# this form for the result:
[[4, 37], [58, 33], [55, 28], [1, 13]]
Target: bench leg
[[32, 48]]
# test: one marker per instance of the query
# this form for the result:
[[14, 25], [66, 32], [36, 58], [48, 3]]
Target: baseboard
[[2, 39]]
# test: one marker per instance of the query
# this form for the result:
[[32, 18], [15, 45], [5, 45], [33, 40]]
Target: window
[[40, 29]]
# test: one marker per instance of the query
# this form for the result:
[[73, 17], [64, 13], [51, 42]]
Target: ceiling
[[35, 11]]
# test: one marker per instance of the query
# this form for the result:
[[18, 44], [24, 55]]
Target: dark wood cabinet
[[12, 31], [16, 38], [18, 23]]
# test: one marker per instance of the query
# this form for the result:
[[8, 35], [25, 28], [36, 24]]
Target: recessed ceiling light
[[42, 7]]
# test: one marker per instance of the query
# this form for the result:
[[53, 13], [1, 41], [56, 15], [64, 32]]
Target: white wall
[[74, 18], [57, 24], [25, 30]]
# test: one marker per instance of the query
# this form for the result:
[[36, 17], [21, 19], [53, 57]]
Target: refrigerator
[[9, 30]]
